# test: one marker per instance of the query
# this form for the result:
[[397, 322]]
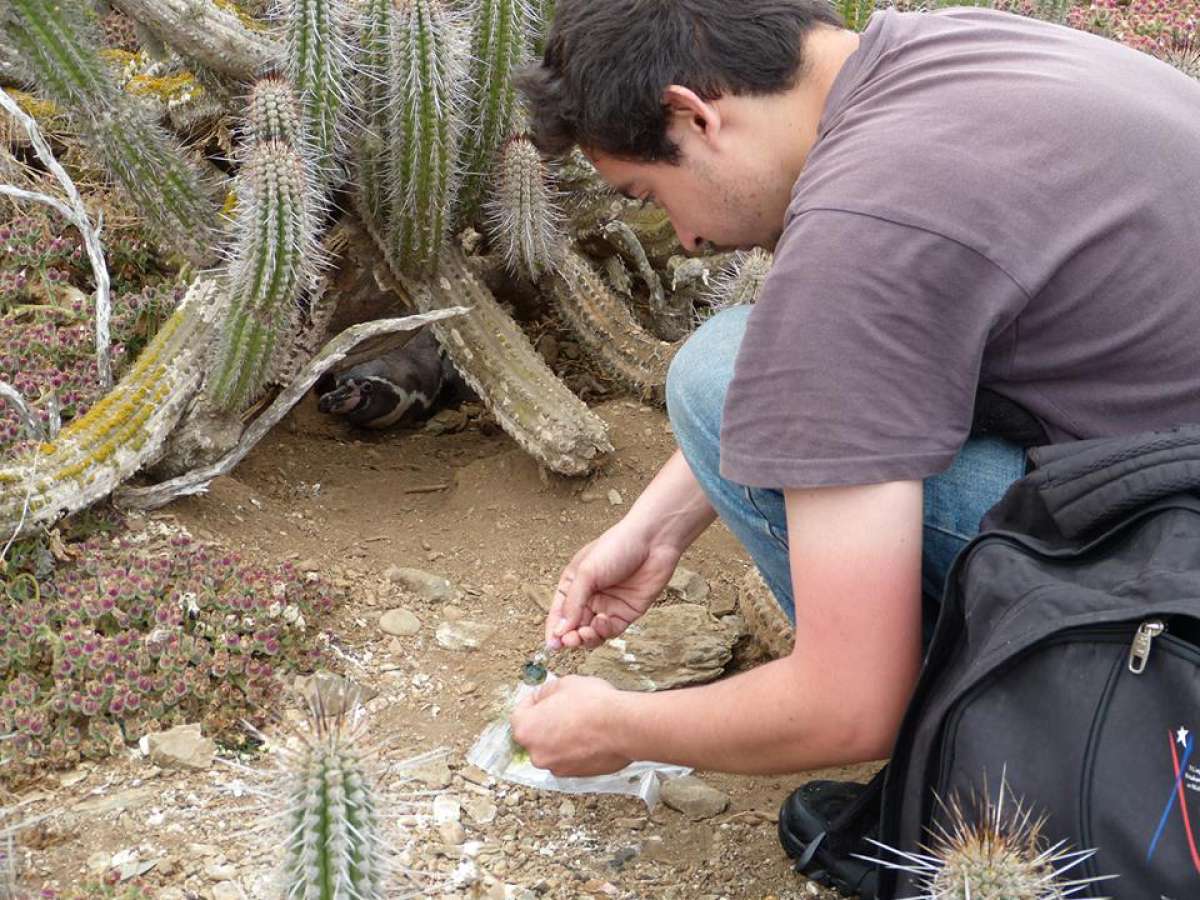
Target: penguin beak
[[343, 399]]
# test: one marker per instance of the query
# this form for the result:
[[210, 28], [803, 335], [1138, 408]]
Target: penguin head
[[363, 401]]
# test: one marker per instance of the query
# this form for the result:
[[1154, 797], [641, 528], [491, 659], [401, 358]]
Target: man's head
[[686, 102]]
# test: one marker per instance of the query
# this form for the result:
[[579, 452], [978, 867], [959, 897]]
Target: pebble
[[566, 809], [452, 833], [216, 872], [399, 622], [692, 797], [226, 890], [614, 497], [183, 747], [435, 774], [689, 585], [481, 810], [424, 584], [462, 635], [446, 808]]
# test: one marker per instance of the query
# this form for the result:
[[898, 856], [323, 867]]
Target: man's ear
[[691, 112]]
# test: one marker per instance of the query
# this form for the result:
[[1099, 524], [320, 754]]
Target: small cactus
[[318, 59], [126, 429], [425, 100], [499, 43], [274, 259], [58, 42], [524, 217], [272, 113], [992, 850], [740, 283]]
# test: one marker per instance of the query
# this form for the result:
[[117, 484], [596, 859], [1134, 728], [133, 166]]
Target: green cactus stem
[[123, 431], [524, 218], [319, 54], [272, 113], [499, 43], [425, 100], [545, 17], [58, 43], [607, 329], [213, 36], [369, 155], [275, 257], [496, 359], [741, 281]]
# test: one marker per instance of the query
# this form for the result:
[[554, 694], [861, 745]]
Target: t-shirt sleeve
[[861, 359]]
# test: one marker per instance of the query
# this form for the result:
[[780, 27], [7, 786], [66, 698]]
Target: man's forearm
[[673, 508], [770, 720]]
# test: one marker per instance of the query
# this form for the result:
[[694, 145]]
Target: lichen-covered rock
[[668, 647]]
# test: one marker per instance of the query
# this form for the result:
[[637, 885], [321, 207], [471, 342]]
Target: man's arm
[[839, 697]]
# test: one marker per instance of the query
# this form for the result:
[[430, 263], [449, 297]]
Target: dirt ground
[[472, 507]]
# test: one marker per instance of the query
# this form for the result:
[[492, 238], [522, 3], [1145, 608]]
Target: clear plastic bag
[[500, 756]]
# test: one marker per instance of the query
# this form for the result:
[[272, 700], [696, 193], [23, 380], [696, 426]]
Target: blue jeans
[[955, 500]]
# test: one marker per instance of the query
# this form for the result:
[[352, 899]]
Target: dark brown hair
[[607, 62]]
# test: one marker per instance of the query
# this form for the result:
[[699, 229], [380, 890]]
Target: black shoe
[[816, 828]]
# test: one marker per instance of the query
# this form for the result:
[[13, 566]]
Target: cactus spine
[[318, 63], [58, 44], [741, 281], [371, 172], [216, 38], [96, 452], [272, 113], [498, 362], [499, 43], [273, 261], [424, 128], [608, 330], [524, 219]]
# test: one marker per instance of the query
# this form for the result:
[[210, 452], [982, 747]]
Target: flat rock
[[480, 810], [463, 635], [692, 797], [399, 622], [434, 774], [667, 647], [336, 695], [183, 747], [690, 586], [424, 584], [227, 890], [130, 799]]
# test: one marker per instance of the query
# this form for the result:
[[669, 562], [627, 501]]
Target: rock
[[446, 808], [463, 635], [426, 585], [566, 809], [222, 872], [399, 622], [336, 695], [171, 893], [654, 847], [480, 810], [668, 647], [689, 586], [227, 890], [183, 747], [435, 774], [692, 797], [539, 596], [452, 833], [98, 862], [614, 497]]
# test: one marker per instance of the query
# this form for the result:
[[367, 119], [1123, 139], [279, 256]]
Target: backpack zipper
[[1139, 651]]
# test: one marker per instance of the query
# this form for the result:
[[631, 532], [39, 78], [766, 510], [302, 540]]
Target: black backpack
[[1065, 666]]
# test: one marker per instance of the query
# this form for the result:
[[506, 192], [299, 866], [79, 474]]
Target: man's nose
[[691, 241]]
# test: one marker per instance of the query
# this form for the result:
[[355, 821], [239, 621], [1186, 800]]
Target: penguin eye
[[367, 387]]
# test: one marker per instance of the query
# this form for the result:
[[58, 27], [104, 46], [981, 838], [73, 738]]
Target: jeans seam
[[767, 526]]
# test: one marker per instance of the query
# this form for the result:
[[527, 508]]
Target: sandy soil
[[472, 507]]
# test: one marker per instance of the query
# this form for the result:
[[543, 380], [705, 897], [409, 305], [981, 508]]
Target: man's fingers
[[578, 592]]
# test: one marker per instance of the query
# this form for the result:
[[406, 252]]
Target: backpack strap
[[1082, 486]]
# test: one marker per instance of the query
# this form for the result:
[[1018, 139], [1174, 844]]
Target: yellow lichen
[[35, 107], [169, 88], [244, 17], [120, 57], [230, 204]]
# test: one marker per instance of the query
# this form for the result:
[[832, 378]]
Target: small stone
[[654, 847], [463, 635], [480, 810], [308, 565], [424, 584], [446, 808], [566, 809], [399, 622], [633, 824], [336, 694], [171, 893], [452, 833], [226, 890], [215, 872], [590, 496], [183, 747], [690, 586], [512, 800], [614, 497], [692, 797], [435, 774], [98, 862]]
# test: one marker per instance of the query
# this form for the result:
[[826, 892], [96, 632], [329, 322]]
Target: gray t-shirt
[[991, 201]]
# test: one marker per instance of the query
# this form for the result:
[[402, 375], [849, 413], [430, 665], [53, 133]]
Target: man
[[957, 200]]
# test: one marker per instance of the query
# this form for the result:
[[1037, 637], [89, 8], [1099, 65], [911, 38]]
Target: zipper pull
[[1139, 653]]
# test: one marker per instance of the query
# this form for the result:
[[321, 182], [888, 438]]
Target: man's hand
[[568, 726], [607, 586]]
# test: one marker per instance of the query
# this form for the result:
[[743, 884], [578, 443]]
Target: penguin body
[[400, 386]]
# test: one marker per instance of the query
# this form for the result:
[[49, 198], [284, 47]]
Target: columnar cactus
[[370, 141], [525, 222], [318, 62], [607, 329], [209, 33], [425, 98], [500, 42], [274, 259], [741, 281], [97, 451], [272, 113], [496, 359], [58, 44]]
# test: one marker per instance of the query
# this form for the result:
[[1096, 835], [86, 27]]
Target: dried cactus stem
[[123, 431], [216, 38], [496, 359], [607, 329]]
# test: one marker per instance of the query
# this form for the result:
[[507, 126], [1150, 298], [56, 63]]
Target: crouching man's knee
[[701, 371]]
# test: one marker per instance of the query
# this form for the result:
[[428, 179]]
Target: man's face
[[727, 198]]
